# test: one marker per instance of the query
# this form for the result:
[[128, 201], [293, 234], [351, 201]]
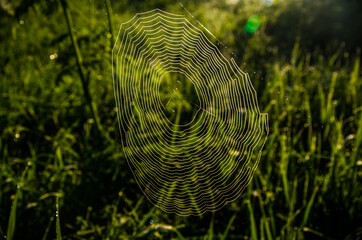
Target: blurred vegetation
[[62, 170]]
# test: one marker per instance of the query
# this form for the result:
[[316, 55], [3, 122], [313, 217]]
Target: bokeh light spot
[[252, 24], [268, 2]]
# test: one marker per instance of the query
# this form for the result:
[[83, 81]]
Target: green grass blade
[[253, 229], [109, 19], [267, 229], [58, 232], [309, 206], [228, 227], [47, 231], [12, 218], [211, 228], [80, 66]]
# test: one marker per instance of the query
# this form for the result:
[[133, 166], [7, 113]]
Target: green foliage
[[58, 144]]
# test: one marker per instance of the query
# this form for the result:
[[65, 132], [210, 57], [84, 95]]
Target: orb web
[[191, 128]]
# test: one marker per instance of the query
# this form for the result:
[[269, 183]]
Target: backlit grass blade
[[253, 229], [211, 228], [12, 218], [58, 232], [309, 207], [228, 227], [47, 231]]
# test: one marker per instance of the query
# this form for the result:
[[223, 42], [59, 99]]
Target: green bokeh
[[252, 24]]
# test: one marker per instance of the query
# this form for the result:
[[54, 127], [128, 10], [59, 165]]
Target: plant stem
[[80, 66], [109, 16], [57, 227]]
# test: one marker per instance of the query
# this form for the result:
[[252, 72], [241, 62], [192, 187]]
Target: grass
[[58, 157]]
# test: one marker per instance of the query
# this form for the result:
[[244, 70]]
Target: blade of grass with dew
[[58, 231], [81, 69], [109, 19]]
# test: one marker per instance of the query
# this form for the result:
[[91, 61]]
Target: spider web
[[200, 164]]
